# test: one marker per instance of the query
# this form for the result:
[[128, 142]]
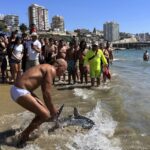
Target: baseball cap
[[34, 34]]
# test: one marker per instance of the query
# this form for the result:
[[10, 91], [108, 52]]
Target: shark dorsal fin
[[76, 112]]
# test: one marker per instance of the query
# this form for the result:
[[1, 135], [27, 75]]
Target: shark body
[[72, 120]]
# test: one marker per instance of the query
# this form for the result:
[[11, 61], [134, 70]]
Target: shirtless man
[[50, 50], [62, 49], [81, 56], [22, 93], [71, 61]]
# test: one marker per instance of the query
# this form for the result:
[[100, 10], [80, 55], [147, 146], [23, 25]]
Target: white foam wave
[[114, 74], [83, 93], [116, 59], [32, 147], [100, 136], [104, 87], [119, 59]]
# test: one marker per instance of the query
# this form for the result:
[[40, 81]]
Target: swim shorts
[[95, 73], [71, 66], [17, 92]]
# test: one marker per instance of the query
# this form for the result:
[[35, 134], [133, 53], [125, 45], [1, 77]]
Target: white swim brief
[[17, 92]]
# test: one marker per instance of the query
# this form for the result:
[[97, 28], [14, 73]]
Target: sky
[[133, 16]]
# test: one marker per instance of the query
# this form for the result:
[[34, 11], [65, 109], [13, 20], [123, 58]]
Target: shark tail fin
[[76, 112], [60, 110]]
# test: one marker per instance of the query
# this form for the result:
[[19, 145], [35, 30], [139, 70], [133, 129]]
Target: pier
[[130, 45]]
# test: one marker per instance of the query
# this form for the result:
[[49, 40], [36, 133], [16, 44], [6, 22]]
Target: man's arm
[[103, 58], [46, 90], [36, 48]]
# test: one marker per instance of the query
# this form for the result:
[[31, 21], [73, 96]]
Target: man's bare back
[[40, 75]]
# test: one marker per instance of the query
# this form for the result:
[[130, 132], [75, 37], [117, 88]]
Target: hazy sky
[[132, 15]]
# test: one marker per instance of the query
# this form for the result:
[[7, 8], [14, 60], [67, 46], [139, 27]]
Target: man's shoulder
[[100, 51], [37, 42], [48, 69], [45, 65]]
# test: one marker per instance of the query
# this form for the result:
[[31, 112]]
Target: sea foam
[[100, 136]]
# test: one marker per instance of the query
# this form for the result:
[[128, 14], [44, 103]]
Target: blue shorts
[[71, 66], [13, 61], [17, 92]]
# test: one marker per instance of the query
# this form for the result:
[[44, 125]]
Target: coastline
[[120, 109]]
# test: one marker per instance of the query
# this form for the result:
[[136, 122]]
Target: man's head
[[95, 46], [102, 46], [34, 36], [83, 44], [61, 66]]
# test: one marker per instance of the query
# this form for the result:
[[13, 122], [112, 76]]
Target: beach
[[120, 110]]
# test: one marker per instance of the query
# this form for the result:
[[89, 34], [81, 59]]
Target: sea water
[[120, 110]]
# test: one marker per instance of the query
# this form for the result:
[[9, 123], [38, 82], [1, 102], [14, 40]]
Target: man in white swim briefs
[[22, 93]]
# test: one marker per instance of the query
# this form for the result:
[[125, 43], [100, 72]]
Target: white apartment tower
[[2, 17], [38, 16], [57, 23], [12, 22], [111, 31]]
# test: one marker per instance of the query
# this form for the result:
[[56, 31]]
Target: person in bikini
[[22, 93]]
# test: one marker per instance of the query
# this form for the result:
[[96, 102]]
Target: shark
[[76, 119]]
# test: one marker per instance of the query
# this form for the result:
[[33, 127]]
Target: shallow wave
[[83, 93], [32, 147], [100, 136]]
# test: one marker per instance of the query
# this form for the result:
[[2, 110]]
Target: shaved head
[[61, 66], [61, 62]]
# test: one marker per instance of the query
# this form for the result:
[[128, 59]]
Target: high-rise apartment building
[[38, 16], [12, 22], [57, 23], [111, 31], [2, 17]]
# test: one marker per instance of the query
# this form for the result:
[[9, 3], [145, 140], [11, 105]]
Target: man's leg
[[36, 122], [98, 77], [92, 76], [98, 81], [38, 108], [92, 81]]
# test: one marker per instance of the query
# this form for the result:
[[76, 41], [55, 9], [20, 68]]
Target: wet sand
[[7, 106], [14, 117], [101, 101]]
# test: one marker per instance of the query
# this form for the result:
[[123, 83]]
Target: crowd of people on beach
[[35, 62], [17, 54]]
